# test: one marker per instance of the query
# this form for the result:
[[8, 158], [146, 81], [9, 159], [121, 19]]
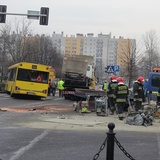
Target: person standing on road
[[53, 85], [105, 85], [138, 93], [60, 87], [121, 97], [145, 87], [110, 93], [158, 97], [49, 87]]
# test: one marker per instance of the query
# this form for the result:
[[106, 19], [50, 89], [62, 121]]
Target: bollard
[[110, 142]]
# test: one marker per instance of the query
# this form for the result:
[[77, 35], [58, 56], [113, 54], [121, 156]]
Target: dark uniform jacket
[[111, 88], [158, 96], [138, 92], [121, 93]]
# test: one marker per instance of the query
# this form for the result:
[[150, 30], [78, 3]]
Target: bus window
[[31, 75], [11, 74]]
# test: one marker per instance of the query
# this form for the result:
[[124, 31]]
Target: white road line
[[22, 150], [3, 98]]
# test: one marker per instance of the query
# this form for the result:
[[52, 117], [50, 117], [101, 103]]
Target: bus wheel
[[38, 98], [8, 92], [12, 95]]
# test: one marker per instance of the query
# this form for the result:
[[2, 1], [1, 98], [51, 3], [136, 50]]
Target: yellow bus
[[28, 79]]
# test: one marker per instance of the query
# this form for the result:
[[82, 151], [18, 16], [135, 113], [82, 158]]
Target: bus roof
[[28, 65]]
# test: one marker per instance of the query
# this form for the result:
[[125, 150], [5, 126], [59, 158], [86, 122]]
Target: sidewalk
[[89, 121]]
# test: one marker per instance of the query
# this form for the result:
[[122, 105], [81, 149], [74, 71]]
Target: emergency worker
[[49, 87], [138, 93], [60, 87], [145, 86], [158, 97], [110, 93], [105, 85], [54, 86], [121, 97]]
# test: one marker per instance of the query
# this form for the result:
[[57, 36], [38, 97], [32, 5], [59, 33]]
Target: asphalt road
[[18, 143], [60, 135]]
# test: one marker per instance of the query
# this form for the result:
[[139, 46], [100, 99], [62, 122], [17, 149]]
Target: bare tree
[[151, 56], [4, 32], [19, 44], [128, 58], [19, 40]]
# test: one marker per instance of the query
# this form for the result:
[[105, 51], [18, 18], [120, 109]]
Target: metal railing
[[110, 140]]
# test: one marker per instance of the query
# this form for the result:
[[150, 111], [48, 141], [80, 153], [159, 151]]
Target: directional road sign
[[33, 14], [112, 69]]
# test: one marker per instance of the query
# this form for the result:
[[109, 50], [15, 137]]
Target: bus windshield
[[32, 75]]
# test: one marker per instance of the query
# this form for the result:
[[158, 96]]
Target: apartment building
[[73, 45], [58, 42], [126, 53], [105, 50], [112, 51]]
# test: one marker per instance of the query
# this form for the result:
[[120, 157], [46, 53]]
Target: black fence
[[110, 141]]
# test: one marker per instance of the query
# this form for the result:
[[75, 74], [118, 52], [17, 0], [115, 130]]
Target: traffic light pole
[[44, 14], [19, 14]]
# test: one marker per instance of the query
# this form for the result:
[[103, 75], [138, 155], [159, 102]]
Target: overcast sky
[[126, 18]]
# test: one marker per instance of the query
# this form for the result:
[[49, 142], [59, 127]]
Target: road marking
[[22, 150]]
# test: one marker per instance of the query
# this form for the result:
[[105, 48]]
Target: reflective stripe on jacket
[[121, 93], [111, 88], [138, 91]]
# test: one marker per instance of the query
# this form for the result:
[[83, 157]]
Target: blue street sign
[[112, 69], [109, 69], [116, 68]]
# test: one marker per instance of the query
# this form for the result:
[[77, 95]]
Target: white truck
[[77, 73]]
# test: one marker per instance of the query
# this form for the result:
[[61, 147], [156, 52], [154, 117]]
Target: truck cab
[[153, 84]]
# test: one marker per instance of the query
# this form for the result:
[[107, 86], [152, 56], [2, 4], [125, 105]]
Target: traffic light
[[44, 19], [3, 8]]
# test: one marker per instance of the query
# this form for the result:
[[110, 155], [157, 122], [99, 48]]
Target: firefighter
[[121, 97], [158, 97], [138, 93], [110, 93]]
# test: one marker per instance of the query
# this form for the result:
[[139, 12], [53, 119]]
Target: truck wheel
[[66, 97]]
